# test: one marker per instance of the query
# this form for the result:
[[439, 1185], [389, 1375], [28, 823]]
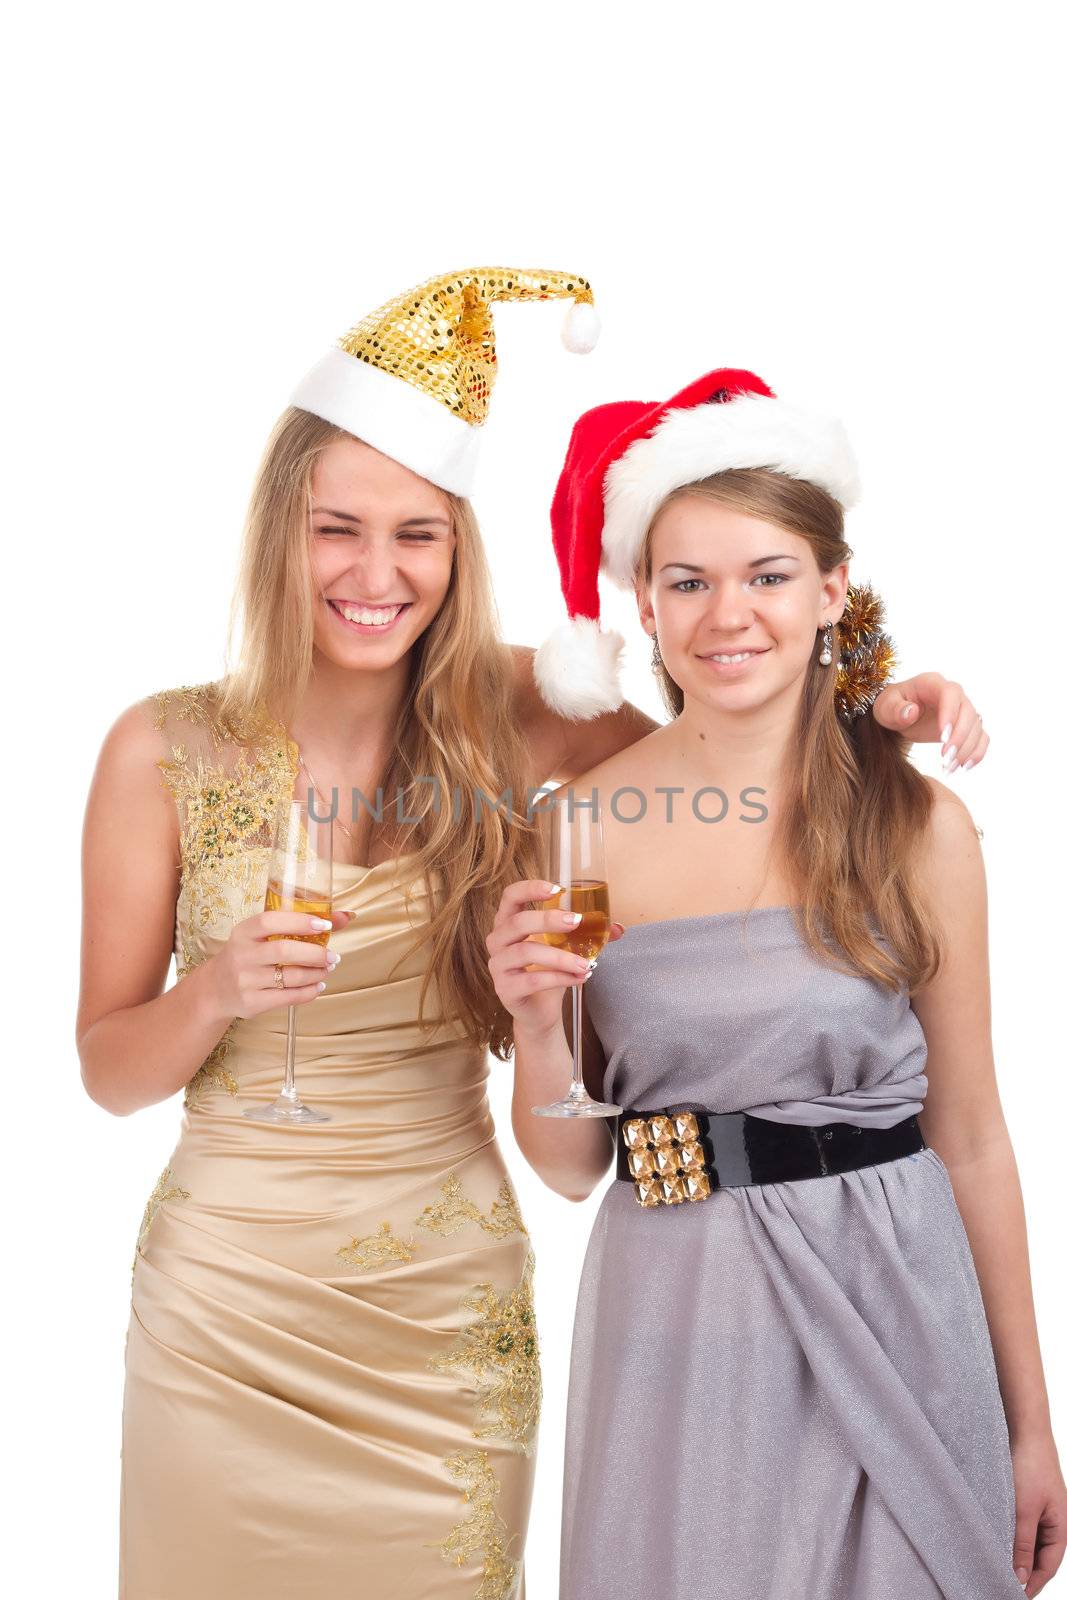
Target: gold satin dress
[[332, 1371]]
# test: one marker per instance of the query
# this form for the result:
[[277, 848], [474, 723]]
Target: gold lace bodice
[[227, 784]]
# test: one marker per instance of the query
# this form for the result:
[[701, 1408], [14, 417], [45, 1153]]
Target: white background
[[860, 204]]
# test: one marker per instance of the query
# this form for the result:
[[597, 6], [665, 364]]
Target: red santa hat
[[622, 462]]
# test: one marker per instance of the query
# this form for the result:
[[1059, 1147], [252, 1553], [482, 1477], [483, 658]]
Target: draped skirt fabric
[[787, 1391], [319, 1407]]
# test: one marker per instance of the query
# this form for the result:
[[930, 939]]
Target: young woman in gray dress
[[805, 1360]]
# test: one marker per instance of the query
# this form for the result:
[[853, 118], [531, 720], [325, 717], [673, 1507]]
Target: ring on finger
[[279, 975]]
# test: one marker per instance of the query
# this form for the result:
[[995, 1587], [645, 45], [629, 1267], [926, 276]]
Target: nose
[[374, 571], [728, 609]]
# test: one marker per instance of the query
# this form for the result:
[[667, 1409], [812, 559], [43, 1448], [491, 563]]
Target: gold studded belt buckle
[[666, 1158]]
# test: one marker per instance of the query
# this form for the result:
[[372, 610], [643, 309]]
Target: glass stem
[[289, 1087], [577, 1082]]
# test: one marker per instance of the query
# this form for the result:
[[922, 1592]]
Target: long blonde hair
[[854, 809], [456, 724]]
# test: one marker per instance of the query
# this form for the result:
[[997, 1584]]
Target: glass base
[[579, 1103], [286, 1110]]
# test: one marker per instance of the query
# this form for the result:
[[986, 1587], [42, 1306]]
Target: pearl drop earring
[[827, 655]]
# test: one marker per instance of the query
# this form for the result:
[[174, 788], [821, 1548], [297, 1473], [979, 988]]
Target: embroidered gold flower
[[214, 1074], [484, 1532], [377, 1250], [500, 1350], [165, 1191], [219, 811], [455, 1209]]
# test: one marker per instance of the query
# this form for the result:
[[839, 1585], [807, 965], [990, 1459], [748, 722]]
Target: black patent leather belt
[[682, 1153]]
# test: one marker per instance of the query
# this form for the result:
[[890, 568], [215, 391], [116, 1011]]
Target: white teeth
[[373, 618], [729, 660]]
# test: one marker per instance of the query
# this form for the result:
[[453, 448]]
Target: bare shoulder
[[950, 852], [629, 766], [950, 820], [135, 740], [127, 782]]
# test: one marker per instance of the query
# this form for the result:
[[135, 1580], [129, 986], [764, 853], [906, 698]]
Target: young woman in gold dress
[[332, 1369]]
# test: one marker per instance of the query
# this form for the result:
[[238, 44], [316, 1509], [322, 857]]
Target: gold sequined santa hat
[[413, 379], [623, 460]]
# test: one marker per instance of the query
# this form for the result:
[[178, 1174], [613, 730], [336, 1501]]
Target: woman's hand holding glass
[[529, 988], [528, 975], [243, 979]]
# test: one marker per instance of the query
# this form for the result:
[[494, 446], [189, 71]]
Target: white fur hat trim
[[697, 441]]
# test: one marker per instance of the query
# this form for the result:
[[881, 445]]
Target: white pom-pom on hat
[[577, 669], [581, 328]]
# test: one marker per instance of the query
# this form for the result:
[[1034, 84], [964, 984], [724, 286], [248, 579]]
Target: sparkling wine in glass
[[573, 843], [300, 878]]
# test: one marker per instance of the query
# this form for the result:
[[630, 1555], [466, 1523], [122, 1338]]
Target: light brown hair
[[854, 809], [456, 724]]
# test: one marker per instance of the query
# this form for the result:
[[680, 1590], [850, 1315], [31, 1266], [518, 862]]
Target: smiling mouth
[[368, 619], [724, 658]]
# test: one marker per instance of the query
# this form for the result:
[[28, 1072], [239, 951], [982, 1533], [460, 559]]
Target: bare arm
[[563, 748], [137, 1044], [963, 1121], [571, 1157]]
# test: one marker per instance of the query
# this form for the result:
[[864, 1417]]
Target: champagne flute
[[573, 842], [300, 879]]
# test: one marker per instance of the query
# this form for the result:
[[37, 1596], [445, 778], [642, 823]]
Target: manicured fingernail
[[573, 917], [949, 753], [332, 958], [555, 888], [967, 765], [946, 732], [321, 923], [1020, 1573], [953, 767], [321, 987]]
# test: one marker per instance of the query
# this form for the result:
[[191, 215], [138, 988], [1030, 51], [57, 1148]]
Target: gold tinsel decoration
[[866, 655]]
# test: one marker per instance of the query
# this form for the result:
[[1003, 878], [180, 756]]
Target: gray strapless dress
[[783, 1392]]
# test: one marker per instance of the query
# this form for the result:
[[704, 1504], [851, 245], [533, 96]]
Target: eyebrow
[[687, 566], [345, 516]]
